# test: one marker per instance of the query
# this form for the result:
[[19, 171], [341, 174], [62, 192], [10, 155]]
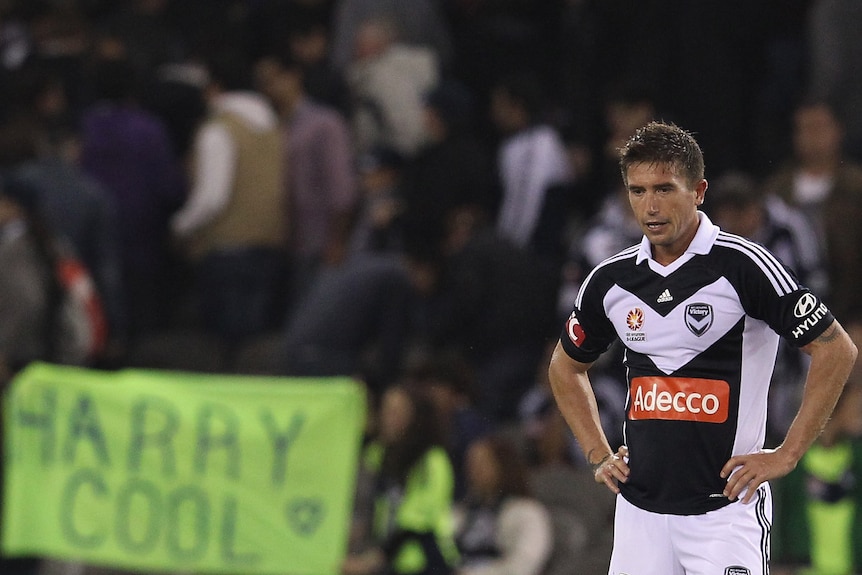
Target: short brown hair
[[663, 143]]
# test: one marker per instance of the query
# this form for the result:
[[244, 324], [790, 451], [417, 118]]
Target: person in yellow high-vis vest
[[819, 522], [411, 519]]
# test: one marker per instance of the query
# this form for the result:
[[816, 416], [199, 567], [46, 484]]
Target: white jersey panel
[[751, 429], [674, 340]]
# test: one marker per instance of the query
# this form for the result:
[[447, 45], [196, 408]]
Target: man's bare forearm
[[833, 356], [577, 402]]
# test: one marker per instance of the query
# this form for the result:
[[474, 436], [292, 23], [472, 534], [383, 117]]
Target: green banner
[[163, 471]]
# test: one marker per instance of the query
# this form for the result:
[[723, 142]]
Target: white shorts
[[733, 540]]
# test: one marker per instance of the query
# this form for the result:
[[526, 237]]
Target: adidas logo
[[664, 297]]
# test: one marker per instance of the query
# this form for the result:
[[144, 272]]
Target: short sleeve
[[587, 332], [800, 317]]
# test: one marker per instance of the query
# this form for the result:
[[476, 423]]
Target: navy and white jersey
[[700, 338]]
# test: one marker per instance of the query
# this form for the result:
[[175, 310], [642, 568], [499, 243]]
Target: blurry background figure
[[487, 298], [547, 440], [379, 215], [387, 80], [499, 527], [420, 22], [129, 152], [450, 380], [310, 46], [232, 225], [737, 203], [148, 36], [818, 527], [531, 158], [411, 500], [452, 172], [626, 108], [354, 320], [320, 190], [70, 202], [835, 56], [25, 302], [826, 186], [612, 229], [26, 289], [176, 95]]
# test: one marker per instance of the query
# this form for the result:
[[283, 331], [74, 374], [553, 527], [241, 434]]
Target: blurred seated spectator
[[738, 203], [411, 500], [450, 380], [834, 58], [818, 526], [547, 439], [611, 230], [51, 310], [625, 108], [500, 528]]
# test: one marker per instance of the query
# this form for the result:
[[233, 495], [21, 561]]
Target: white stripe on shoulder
[[624, 254], [781, 280]]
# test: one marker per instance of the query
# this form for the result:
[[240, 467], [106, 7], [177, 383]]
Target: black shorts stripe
[[765, 526]]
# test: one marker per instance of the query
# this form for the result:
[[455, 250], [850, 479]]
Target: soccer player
[[700, 313]]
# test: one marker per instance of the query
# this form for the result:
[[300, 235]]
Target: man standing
[[233, 222], [320, 185], [700, 313]]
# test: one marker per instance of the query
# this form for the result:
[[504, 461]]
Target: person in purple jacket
[[128, 150]]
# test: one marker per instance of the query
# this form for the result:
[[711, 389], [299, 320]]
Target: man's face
[[665, 206], [817, 134]]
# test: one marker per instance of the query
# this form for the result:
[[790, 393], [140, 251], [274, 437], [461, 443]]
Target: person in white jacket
[[500, 528]]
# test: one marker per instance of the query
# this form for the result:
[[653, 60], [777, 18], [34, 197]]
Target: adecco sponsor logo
[[679, 398]]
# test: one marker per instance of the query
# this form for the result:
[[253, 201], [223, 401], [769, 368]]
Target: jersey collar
[[700, 244]]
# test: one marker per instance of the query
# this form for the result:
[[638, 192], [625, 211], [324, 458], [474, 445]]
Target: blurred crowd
[[411, 192]]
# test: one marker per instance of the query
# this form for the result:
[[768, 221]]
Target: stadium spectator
[[420, 24], [387, 80], [531, 157], [232, 225], [500, 528], [826, 185], [128, 151], [452, 171], [487, 298], [835, 55], [411, 530], [318, 164]]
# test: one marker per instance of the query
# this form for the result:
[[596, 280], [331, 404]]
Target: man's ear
[[700, 191]]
